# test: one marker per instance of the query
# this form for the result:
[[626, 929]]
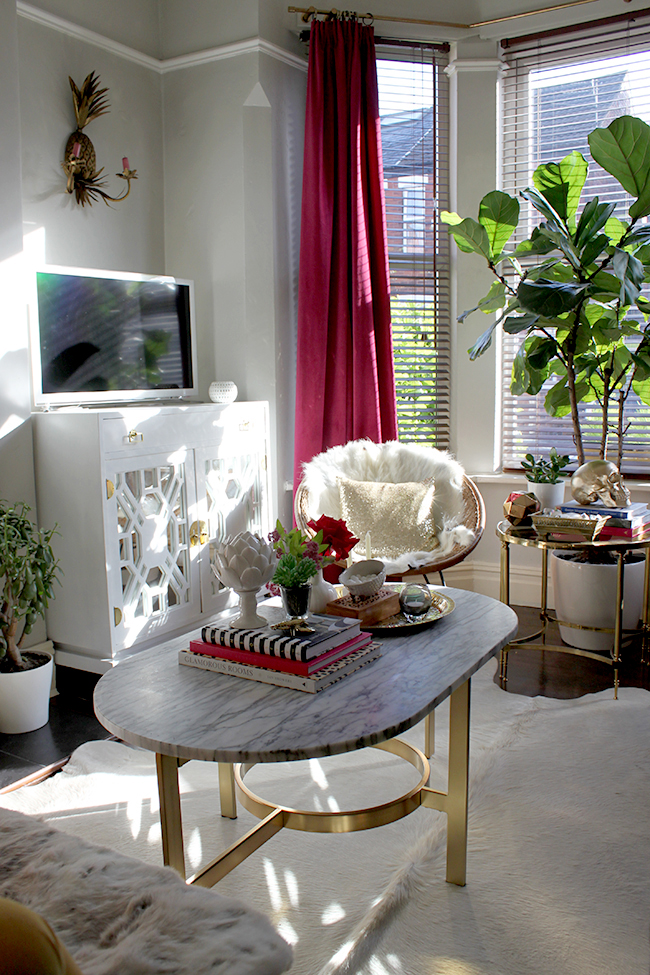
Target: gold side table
[[508, 535]]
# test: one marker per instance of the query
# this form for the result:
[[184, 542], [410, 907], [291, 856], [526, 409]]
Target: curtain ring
[[309, 14], [367, 19]]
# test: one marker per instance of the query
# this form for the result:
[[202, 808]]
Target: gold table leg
[[227, 790], [454, 803], [430, 734], [458, 786], [170, 813]]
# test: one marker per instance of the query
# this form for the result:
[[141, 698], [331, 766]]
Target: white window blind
[[557, 89], [414, 110]]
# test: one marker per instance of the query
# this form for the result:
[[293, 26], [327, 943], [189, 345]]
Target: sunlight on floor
[[333, 912], [195, 849]]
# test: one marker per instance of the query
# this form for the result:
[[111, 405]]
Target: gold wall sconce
[[79, 160]]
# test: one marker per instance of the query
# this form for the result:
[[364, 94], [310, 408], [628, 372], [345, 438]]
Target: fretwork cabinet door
[[153, 548]]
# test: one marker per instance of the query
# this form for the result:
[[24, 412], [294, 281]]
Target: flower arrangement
[[336, 536], [301, 556]]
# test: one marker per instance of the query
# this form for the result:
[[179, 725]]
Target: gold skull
[[599, 480]]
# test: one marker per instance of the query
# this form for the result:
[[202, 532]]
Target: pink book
[[302, 667]]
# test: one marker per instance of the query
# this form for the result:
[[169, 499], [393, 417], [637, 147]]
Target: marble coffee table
[[183, 713]]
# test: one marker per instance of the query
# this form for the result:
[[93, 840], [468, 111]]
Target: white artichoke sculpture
[[245, 562]]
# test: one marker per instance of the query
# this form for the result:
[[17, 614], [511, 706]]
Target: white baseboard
[[484, 577]]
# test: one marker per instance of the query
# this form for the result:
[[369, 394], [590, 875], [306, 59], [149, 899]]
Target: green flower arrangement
[[300, 557]]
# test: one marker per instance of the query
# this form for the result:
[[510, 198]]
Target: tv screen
[[104, 337]]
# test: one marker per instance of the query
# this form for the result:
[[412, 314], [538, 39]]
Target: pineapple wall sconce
[[79, 160]]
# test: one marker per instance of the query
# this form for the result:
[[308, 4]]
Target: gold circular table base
[[344, 821]]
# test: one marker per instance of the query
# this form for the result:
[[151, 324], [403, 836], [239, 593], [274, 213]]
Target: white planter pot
[[548, 495], [586, 594], [25, 699]]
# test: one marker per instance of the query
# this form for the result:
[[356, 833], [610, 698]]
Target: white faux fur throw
[[119, 916], [363, 460]]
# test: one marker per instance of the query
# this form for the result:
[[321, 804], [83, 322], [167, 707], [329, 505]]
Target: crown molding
[[254, 45]]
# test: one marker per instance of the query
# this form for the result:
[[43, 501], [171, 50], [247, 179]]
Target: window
[[557, 89], [413, 105]]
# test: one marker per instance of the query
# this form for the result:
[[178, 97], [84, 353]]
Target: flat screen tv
[[102, 337]]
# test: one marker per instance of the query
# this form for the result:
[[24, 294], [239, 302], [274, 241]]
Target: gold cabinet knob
[[198, 533]]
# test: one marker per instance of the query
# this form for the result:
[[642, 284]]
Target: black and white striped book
[[329, 631]]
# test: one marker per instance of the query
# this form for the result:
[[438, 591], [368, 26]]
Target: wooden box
[[371, 609]]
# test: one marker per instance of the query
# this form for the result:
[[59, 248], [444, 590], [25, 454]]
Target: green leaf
[[630, 273], [543, 206], [471, 237], [615, 228], [549, 298], [642, 389], [494, 299], [537, 244], [592, 219], [499, 214], [594, 248], [561, 183], [514, 324], [623, 150]]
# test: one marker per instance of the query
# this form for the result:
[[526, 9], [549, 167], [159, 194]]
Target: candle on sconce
[[76, 149], [125, 163], [368, 546]]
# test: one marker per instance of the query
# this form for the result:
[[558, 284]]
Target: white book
[[325, 678]]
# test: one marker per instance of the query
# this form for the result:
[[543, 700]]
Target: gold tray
[[442, 605]]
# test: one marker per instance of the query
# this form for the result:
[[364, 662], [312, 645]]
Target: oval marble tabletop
[[152, 701]]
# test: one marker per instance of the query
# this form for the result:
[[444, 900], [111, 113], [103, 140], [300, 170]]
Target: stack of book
[[630, 521], [304, 661]]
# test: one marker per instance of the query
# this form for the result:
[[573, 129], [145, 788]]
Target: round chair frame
[[474, 519]]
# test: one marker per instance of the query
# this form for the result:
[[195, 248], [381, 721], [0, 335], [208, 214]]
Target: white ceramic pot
[[548, 495], [322, 593], [25, 699], [586, 594]]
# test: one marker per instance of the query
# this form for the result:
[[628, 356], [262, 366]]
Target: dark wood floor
[[33, 756], [563, 675]]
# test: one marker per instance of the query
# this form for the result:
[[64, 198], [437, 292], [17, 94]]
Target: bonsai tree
[[572, 289], [28, 571]]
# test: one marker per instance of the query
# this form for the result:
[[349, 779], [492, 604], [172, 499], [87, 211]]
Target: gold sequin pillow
[[398, 516]]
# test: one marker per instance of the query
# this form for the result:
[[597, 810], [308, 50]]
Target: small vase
[[295, 600], [322, 593]]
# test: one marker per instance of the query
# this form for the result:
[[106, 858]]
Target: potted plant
[[339, 542], [299, 557], [28, 571], [572, 288], [545, 478]]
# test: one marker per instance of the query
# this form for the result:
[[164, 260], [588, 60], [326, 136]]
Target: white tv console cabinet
[[140, 496]]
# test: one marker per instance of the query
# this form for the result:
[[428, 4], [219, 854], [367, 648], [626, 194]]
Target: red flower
[[336, 536]]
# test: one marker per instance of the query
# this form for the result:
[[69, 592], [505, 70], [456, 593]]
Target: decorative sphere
[[415, 600], [222, 392]]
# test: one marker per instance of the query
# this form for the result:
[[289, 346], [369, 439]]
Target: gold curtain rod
[[312, 12]]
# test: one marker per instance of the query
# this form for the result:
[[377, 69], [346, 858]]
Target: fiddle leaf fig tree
[[572, 289]]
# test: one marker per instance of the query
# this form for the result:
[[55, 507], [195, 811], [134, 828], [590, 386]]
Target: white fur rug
[[559, 843]]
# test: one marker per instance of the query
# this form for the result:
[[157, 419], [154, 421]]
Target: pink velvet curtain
[[345, 387]]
